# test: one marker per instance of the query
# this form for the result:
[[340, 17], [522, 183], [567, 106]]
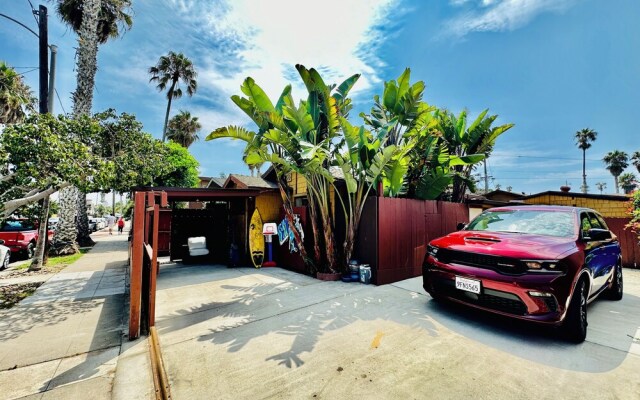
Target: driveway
[[272, 333]]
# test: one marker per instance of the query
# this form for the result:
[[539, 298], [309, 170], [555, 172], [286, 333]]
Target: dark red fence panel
[[628, 241], [405, 226]]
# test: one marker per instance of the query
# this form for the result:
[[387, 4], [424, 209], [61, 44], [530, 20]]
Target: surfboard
[[256, 239]]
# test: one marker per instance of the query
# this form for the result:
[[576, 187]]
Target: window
[[594, 222], [537, 222], [585, 225]]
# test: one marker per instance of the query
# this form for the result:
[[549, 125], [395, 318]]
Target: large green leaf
[[390, 95], [232, 132], [394, 174], [433, 184], [257, 95], [465, 160], [403, 82], [284, 99], [301, 117], [344, 88]]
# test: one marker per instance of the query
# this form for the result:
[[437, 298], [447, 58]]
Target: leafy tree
[[180, 170], [183, 129], [584, 138], [628, 181], [635, 160], [601, 186], [170, 71], [16, 98], [616, 161], [310, 138], [95, 22], [634, 213]]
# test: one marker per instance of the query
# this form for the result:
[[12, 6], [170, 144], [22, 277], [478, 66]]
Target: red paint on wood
[[136, 266], [628, 241]]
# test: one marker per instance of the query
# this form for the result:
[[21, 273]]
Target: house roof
[[246, 182], [614, 197], [503, 193], [216, 182]]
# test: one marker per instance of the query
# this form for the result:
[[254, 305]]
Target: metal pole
[[44, 58], [52, 76], [486, 177]]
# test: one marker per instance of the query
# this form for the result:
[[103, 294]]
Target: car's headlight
[[543, 265], [432, 250]]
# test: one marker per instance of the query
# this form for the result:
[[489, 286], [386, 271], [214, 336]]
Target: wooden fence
[[394, 234], [628, 241]]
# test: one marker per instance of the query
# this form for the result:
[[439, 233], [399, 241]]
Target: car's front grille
[[500, 264], [492, 299]]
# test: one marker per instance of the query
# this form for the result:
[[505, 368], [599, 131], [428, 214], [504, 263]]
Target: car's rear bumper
[[501, 294]]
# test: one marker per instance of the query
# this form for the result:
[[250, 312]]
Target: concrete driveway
[[272, 333]]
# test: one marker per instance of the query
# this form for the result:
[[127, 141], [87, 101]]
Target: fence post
[[136, 265]]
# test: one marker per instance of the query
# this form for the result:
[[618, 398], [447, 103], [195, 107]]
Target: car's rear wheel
[[575, 323], [5, 262], [615, 291], [31, 250]]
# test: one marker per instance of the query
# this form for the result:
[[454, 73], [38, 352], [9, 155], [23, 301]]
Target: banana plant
[[298, 138]]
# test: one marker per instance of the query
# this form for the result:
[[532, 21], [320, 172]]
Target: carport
[[161, 228]]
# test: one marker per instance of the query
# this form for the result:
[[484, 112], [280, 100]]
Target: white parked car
[[5, 255]]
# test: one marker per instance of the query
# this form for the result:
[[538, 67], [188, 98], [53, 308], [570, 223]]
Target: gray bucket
[[365, 273]]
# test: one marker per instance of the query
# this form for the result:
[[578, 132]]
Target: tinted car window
[[15, 226], [550, 223], [585, 224], [602, 221], [594, 222]]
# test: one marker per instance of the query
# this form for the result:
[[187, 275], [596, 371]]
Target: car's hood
[[514, 245]]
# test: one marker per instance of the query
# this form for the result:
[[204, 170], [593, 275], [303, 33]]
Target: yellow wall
[[299, 185], [606, 207], [269, 205]]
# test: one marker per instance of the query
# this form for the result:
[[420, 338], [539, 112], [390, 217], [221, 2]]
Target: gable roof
[[216, 182], [248, 182]]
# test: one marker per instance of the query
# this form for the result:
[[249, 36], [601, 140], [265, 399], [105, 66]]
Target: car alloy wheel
[[615, 292], [31, 250], [575, 324], [5, 263]]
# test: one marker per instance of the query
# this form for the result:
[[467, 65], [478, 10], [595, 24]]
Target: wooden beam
[[153, 270], [136, 266]]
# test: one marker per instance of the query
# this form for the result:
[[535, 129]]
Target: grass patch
[[10, 295], [66, 260]]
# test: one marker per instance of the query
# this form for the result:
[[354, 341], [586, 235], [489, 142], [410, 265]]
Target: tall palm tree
[[635, 160], [183, 129], [628, 182], [584, 137], [15, 96], [616, 162], [601, 186], [95, 22], [170, 70]]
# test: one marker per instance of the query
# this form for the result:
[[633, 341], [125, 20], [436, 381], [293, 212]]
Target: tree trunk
[[615, 180], [38, 259], [317, 237], [166, 116], [87, 65], [66, 229], [584, 171], [8, 207], [83, 238]]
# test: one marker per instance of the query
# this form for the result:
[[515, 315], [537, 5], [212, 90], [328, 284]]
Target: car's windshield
[[550, 223], [16, 226]]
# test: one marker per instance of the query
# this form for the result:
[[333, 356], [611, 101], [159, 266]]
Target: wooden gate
[[628, 241]]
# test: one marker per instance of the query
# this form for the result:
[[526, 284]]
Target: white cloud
[[499, 15], [265, 39]]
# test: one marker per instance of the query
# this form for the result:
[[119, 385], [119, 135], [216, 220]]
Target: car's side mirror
[[597, 235], [461, 226]]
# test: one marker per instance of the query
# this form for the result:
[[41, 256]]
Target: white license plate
[[468, 285]]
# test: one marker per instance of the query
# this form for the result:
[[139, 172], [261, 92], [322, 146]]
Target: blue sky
[[551, 67]]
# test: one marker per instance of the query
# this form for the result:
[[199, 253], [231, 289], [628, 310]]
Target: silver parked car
[[5, 255]]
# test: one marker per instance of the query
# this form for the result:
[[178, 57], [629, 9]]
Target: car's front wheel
[[31, 250], [575, 323], [5, 262], [615, 291]]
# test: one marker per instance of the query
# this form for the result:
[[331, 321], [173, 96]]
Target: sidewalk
[[66, 339]]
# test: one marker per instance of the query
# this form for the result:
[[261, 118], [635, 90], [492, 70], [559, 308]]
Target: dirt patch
[[10, 295], [24, 272]]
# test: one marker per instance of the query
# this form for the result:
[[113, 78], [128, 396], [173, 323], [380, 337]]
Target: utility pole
[[52, 77], [43, 39], [486, 177]]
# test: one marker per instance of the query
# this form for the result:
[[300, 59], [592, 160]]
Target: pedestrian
[[111, 221], [120, 225]]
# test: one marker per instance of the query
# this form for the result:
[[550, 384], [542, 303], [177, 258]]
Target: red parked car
[[535, 263], [20, 235]]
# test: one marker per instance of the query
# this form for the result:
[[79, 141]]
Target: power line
[[33, 12], [60, 101], [26, 72], [543, 158]]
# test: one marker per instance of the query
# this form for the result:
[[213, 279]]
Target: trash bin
[[365, 273]]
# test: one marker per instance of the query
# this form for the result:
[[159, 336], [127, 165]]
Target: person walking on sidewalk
[[111, 221], [120, 225]]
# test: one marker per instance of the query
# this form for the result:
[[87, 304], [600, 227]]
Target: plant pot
[[328, 276]]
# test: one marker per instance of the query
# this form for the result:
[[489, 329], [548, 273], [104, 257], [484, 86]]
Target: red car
[[535, 263], [20, 236]]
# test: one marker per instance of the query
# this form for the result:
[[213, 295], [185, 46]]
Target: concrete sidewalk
[[66, 340]]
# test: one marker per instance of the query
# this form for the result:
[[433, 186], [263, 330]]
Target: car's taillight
[[20, 236]]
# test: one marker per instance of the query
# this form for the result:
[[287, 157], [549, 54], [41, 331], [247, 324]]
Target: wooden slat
[[154, 267], [136, 266]]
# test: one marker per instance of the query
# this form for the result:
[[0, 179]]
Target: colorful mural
[[285, 233]]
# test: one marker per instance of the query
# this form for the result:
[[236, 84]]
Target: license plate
[[468, 285]]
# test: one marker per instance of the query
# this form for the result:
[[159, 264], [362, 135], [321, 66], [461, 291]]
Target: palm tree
[[95, 22], [616, 162], [601, 186], [628, 181], [183, 129], [635, 160], [584, 137], [170, 70], [15, 96]]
